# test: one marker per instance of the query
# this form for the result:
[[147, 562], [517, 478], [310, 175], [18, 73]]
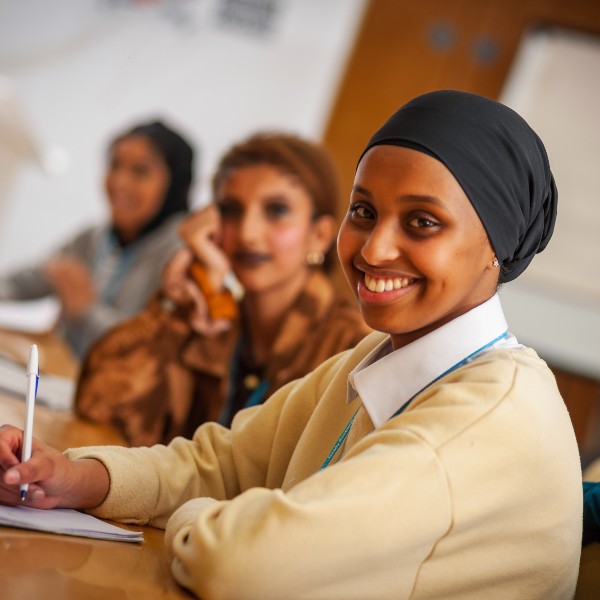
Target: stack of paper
[[32, 316], [65, 521], [54, 391]]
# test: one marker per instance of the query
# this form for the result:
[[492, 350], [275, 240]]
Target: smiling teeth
[[385, 285]]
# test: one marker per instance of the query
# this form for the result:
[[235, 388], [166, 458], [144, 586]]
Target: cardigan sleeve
[[27, 284], [302, 543], [141, 269], [31, 283], [149, 483]]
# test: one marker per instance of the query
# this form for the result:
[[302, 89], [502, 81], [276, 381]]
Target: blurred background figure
[[109, 271], [191, 356]]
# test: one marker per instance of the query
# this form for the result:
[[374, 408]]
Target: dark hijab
[[178, 155], [499, 161]]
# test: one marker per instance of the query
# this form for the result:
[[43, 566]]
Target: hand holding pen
[[30, 395], [52, 479]]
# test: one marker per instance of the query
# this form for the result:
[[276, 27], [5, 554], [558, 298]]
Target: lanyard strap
[[258, 395], [340, 441], [453, 368], [460, 363]]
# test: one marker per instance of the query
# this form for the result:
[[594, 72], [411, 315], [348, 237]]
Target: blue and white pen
[[33, 375]]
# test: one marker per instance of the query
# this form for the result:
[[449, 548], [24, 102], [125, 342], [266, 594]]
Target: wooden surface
[[588, 585], [582, 398], [58, 429], [49, 566], [54, 356]]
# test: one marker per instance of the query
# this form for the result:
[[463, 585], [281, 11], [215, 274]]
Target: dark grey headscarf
[[178, 155], [499, 161]]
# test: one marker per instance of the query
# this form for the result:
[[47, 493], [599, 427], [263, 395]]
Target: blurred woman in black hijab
[[108, 272]]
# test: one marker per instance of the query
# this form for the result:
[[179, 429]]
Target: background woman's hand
[[175, 277], [72, 283], [181, 289], [54, 480], [200, 231]]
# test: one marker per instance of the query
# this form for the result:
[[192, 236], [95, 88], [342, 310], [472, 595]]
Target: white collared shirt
[[387, 379]]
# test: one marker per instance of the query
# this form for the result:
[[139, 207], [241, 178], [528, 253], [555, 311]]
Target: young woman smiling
[[108, 272], [416, 465], [412, 246], [174, 366]]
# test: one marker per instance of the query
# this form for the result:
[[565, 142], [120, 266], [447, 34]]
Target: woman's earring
[[495, 262], [314, 259]]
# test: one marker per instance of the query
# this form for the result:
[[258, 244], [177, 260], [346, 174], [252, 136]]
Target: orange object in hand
[[221, 304]]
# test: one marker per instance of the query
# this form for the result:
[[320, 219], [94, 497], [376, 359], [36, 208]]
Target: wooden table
[[588, 585], [55, 356], [49, 566], [59, 429]]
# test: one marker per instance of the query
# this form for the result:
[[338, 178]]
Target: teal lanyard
[[340, 441], [258, 395], [342, 437]]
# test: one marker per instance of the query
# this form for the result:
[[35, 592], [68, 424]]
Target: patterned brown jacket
[[154, 378]]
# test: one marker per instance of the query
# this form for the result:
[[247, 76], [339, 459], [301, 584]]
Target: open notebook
[[65, 521]]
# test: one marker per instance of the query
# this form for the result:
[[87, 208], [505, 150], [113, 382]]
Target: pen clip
[[33, 366]]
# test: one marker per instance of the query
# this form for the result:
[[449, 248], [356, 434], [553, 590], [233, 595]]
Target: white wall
[[555, 305], [87, 68]]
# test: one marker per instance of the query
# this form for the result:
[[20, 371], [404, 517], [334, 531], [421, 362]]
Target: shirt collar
[[387, 379]]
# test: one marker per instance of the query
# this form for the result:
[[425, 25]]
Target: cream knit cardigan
[[474, 491]]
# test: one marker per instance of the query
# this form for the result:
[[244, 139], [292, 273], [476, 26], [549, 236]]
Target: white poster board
[[555, 305]]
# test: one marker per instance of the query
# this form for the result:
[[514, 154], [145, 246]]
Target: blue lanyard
[[340, 441], [258, 395], [342, 437]]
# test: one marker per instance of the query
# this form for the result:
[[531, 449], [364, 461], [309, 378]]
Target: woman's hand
[[72, 283], [201, 233], [176, 282], [179, 287], [53, 479]]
